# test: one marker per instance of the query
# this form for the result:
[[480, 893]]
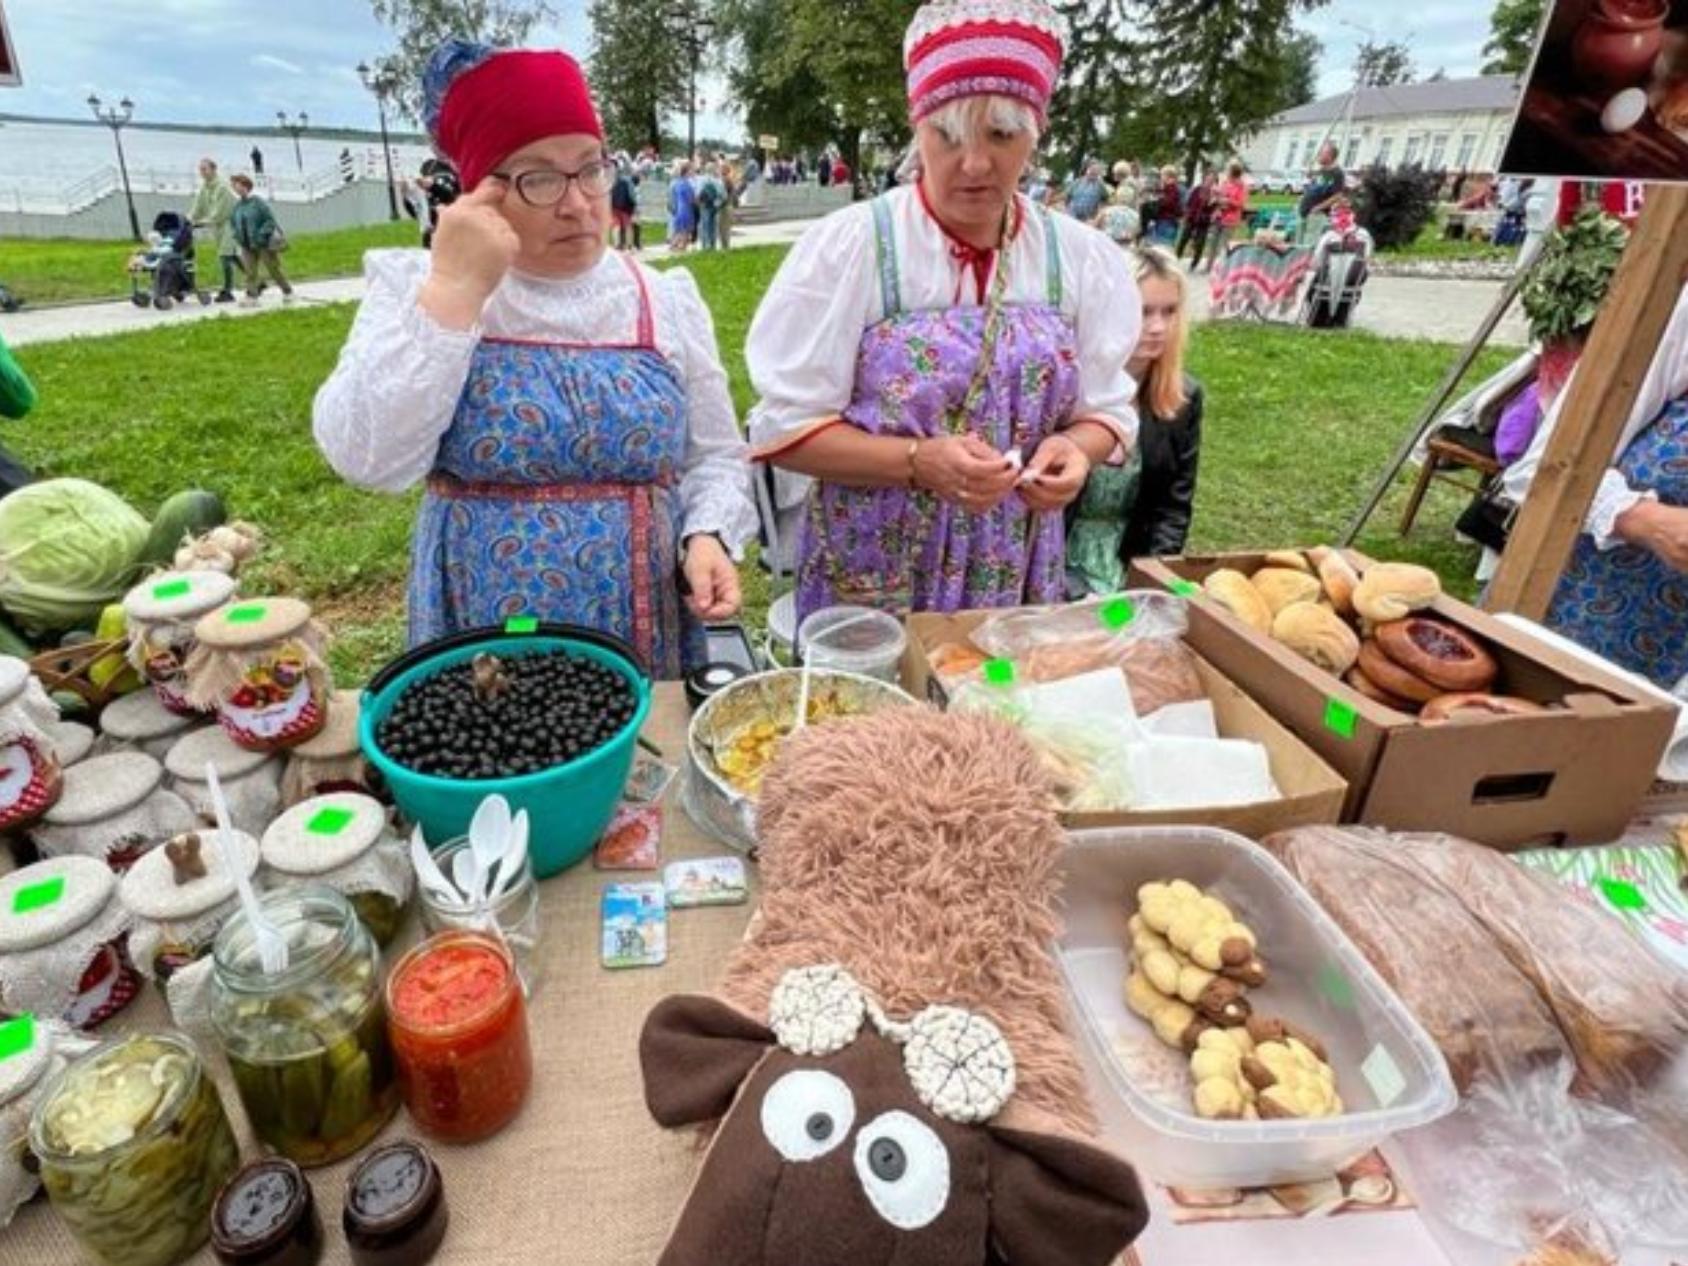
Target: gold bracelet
[[913, 451]]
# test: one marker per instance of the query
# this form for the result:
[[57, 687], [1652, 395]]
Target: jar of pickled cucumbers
[[308, 1044], [133, 1146]]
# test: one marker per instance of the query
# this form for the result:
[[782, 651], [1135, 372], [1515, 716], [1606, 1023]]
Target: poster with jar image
[[10, 75], [1606, 97]]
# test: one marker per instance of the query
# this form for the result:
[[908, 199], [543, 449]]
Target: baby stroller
[[165, 272], [1341, 264]]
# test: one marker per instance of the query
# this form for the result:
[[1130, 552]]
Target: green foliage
[[1395, 204], [1512, 36], [1382, 64], [778, 100], [639, 69], [1564, 294], [422, 25]]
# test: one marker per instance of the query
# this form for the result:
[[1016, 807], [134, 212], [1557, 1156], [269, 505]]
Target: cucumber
[[190, 513]]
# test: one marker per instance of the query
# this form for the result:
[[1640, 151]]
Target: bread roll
[[1445, 707], [1233, 591], [1356, 677], [1289, 559], [1393, 591], [1394, 679], [1340, 580], [1318, 636], [1282, 587], [1436, 651]]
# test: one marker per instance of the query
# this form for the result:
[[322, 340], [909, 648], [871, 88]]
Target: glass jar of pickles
[[133, 1146], [308, 1045], [516, 909], [344, 841]]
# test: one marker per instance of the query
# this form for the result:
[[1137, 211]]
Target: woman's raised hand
[[474, 246], [965, 471]]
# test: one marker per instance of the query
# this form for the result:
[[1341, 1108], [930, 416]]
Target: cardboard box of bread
[[1439, 716], [1209, 753]]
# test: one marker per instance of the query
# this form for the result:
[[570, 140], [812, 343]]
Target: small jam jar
[[64, 942], [345, 842], [267, 1216], [251, 781], [333, 760], [460, 1035], [396, 1213], [161, 613], [115, 808], [259, 663], [139, 722], [31, 1055], [30, 776]]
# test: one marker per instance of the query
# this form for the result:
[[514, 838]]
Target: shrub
[[1394, 204], [1564, 294]]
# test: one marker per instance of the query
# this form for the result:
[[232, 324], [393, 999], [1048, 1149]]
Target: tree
[[1379, 65], [1512, 36], [1096, 101], [637, 74], [422, 25], [1300, 71], [778, 100]]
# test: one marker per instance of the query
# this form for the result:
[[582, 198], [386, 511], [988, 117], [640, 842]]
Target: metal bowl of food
[[737, 732]]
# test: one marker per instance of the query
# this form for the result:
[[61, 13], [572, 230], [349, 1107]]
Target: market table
[[583, 1176]]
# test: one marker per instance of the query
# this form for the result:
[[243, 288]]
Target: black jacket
[[1160, 521]]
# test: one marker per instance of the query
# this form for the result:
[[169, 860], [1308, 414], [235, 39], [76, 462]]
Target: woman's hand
[[965, 471], [1056, 475], [1661, 529], [474, 246], [713, 579]]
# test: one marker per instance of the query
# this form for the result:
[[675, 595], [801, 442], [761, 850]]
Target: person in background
[[213, 210], [260, 239], [1119, 219], [257, 157], [1169, 208], [823, 170], [624, 209], [1231, 210], [17, 397], [1141, 507], [840, 170], [1324, 187], [435, 189], [1198, 220], [682, 210], [752, 181], [1086, 195], [1127, 188], [711, 197], [733, 184]]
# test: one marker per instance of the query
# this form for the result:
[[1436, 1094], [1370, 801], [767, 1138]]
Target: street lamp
[[294, 129], [381, 84], [116, 118], [694, 31]]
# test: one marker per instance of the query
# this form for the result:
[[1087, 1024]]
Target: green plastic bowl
[[569, 805]]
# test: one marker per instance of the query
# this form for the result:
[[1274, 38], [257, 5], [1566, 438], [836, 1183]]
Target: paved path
[[1395, 307]]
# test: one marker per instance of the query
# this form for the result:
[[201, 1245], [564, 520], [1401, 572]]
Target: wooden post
[[1608, 381]]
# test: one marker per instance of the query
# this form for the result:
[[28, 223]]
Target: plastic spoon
[[427, 869], [510, 865], [489, 838], [272, 945]]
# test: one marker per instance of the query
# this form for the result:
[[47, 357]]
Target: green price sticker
[[1335, 985], [172, 589], [1117, 613], [38, 896], [17, 1036], [999, 672], [522, 624], [1186, 588], [1623, 896], [1341, 718], [247, 613], [330, 820]]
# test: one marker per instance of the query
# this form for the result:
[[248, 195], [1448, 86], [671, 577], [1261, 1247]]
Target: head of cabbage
[[67, 549]]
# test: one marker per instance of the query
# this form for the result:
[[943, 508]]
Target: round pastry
[[1340, 580], [1392, 679], [1237, 594], [1356, 677], [1393, 591], [1439, 653], [1444, 707], [1318, 635], [1292, 560], [1282, 587]]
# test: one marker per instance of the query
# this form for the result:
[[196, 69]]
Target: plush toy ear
[[695, 1053], [1059, 1202]]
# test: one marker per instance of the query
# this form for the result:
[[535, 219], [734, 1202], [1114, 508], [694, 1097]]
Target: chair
[[781, 563], [1464, 439]]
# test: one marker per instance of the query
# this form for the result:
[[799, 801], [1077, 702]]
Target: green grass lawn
[[1298, 424], [1432, 245]]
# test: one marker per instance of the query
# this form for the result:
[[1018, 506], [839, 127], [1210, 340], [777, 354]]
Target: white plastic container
[[856, 640], [1389, 1073]]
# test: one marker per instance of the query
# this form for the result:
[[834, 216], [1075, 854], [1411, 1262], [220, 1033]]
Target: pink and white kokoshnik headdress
[[972, 48]]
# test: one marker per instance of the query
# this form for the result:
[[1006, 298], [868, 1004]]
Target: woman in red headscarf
[[566, 406]]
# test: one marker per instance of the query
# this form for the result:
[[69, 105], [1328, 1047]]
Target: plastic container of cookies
[[1390, 1075]]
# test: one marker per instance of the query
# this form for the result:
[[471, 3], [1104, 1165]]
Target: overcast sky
[[239, 61]]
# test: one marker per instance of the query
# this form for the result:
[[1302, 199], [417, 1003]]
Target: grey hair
[[968, 118]]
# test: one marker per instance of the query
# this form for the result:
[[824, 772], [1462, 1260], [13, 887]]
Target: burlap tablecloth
[[583, 1177]]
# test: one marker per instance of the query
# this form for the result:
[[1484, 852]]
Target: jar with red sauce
[[459, 1033]]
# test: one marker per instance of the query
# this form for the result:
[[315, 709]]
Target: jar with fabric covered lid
[[30, 773], [114, 808], [73, 741], [180, 896], [161, 614], [251, 781], [259, 663], [64, 943], [333, 760], [345, 841], [139, 722], [32, 1053]]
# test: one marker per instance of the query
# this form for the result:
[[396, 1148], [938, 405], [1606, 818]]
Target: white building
[[1452, 125]]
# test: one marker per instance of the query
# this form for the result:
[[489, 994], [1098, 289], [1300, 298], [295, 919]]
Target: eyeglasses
[[546, 187]]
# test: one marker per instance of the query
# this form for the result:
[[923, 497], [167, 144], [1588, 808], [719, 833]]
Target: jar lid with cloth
[[73, 741], [333, 760], [161, 613], [114, 809], [64, 943], [344, 841], [259, 662], [32, 1053], [180, 896], [139, 722], [251, 781], [30, 773]]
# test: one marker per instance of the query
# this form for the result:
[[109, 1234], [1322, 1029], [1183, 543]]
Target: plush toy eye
[[905, 1169], [807, 1114]]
